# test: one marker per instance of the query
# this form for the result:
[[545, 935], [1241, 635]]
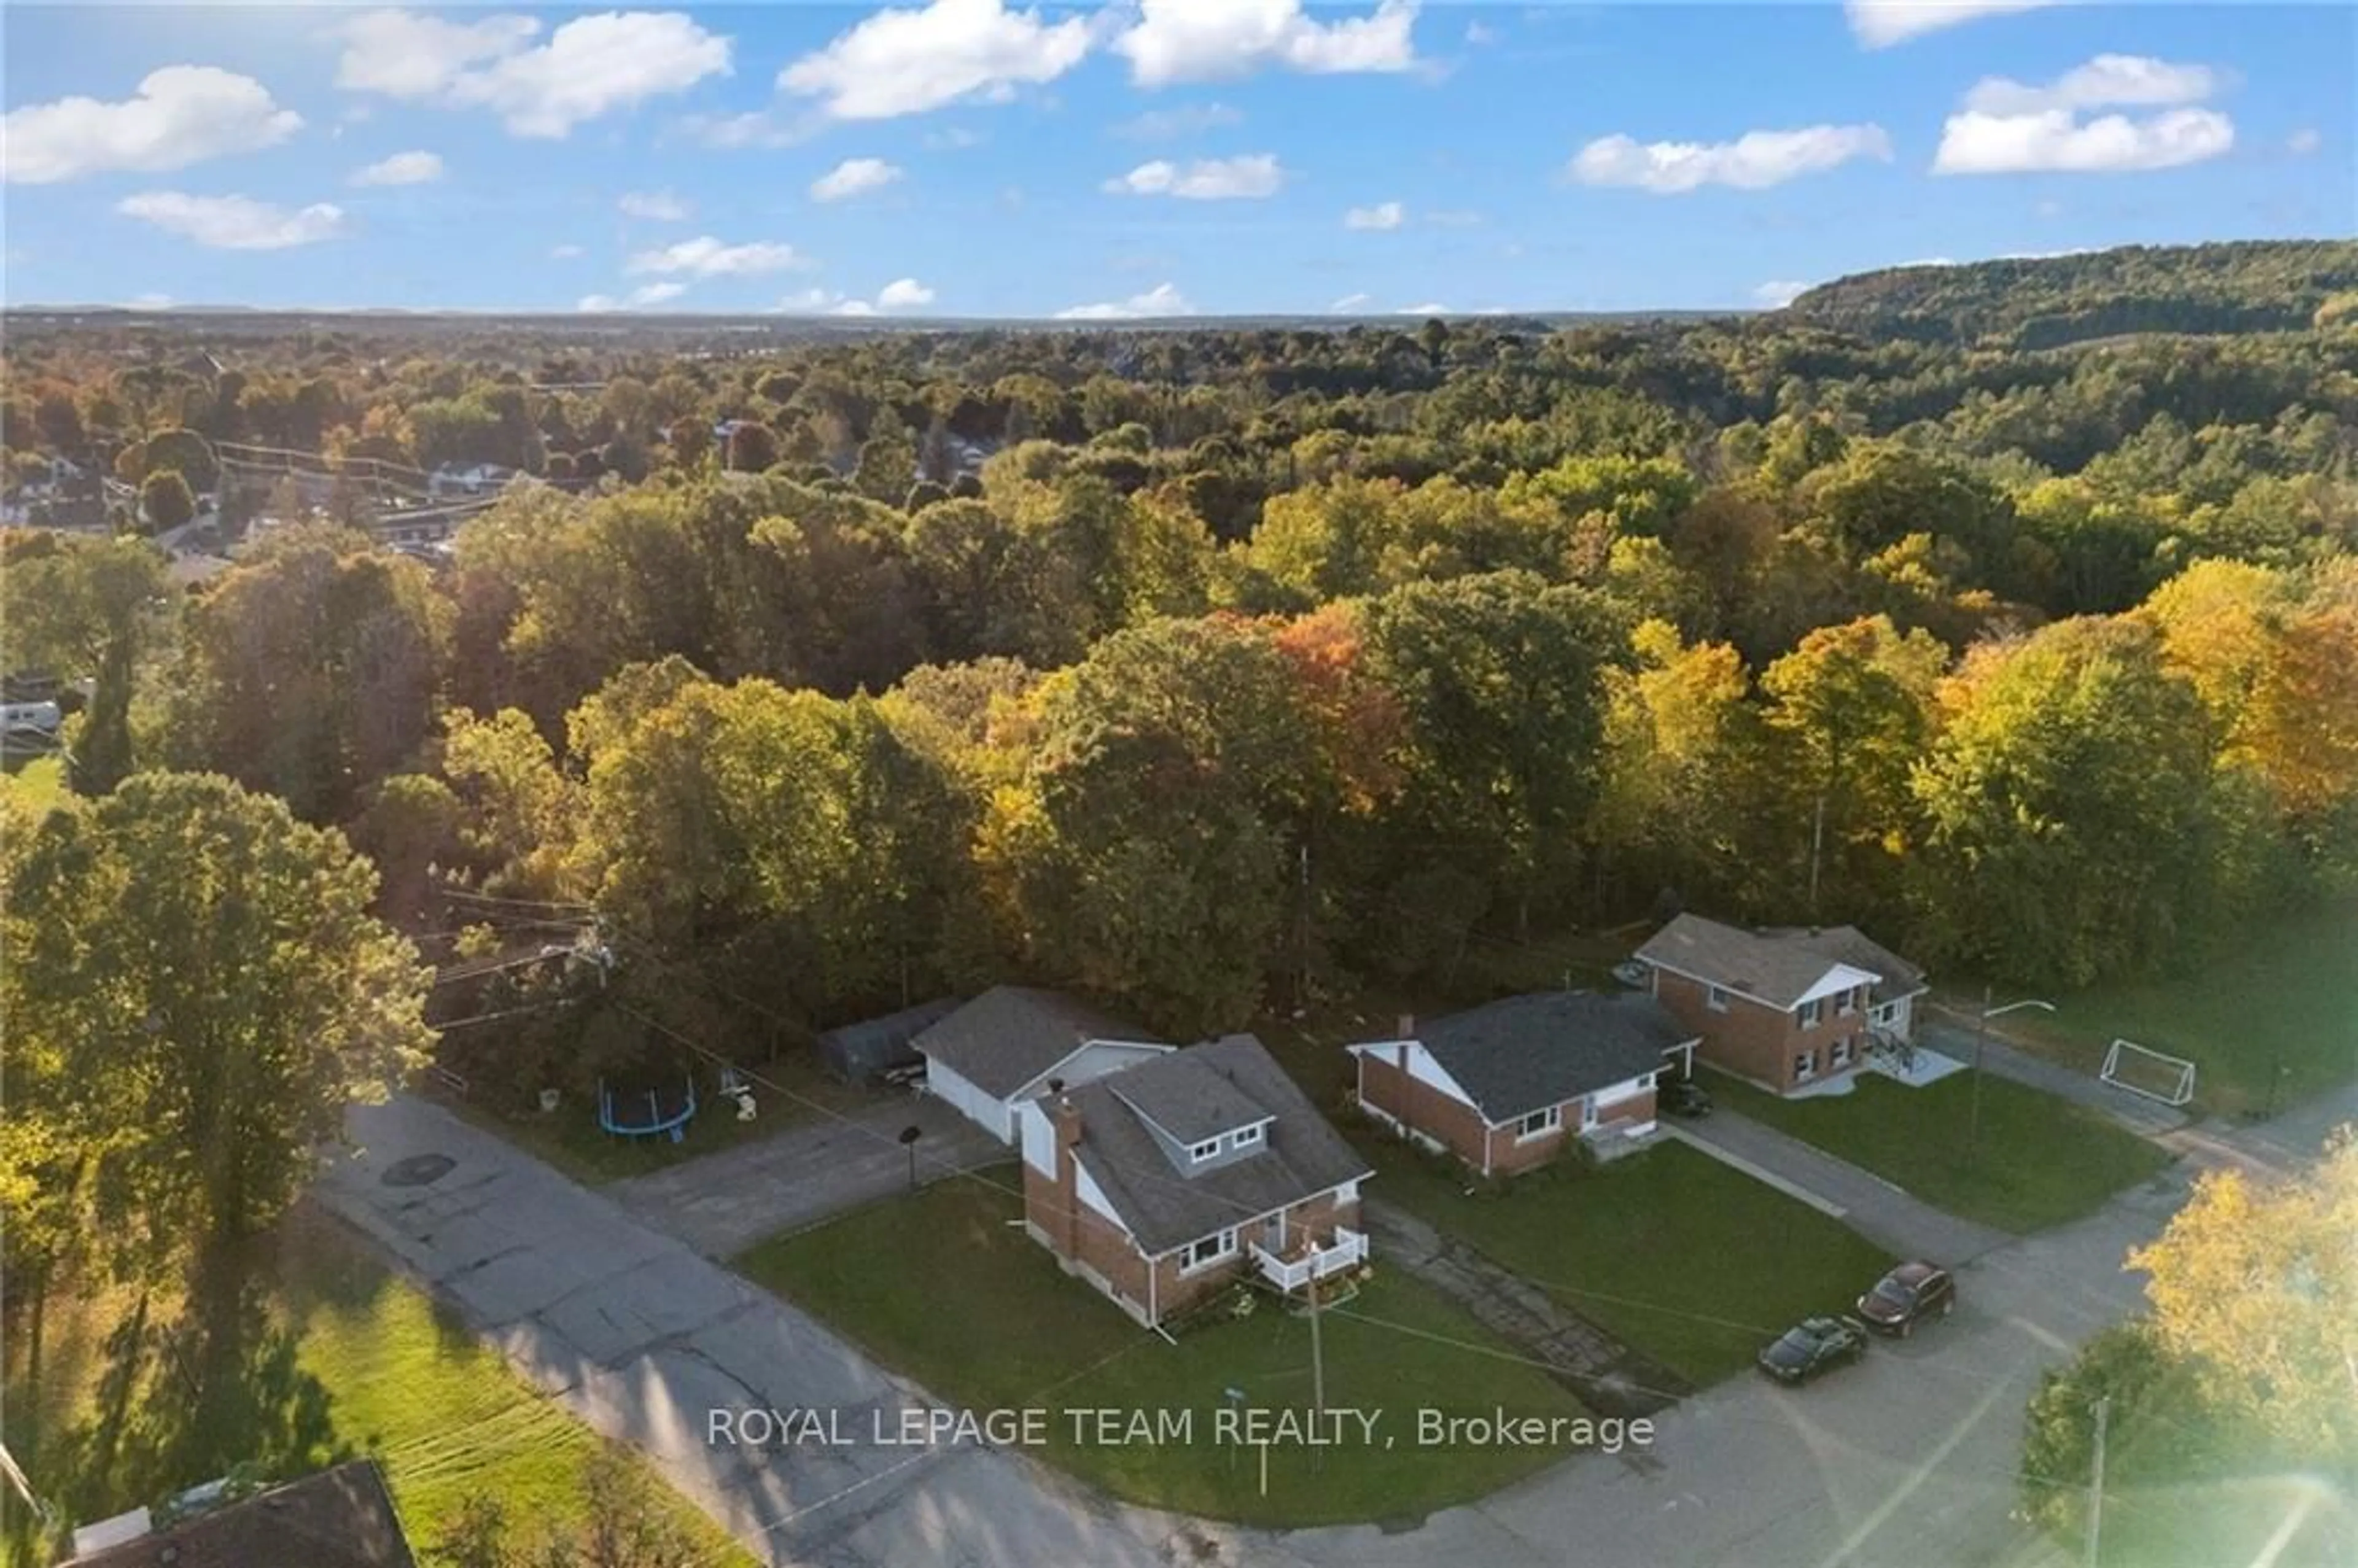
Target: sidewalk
[[1867, 1203]]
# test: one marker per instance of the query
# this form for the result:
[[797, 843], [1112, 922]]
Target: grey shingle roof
[[341, 1517], [860, 1051], [1011, 1034], [1779, 965], [1180, 1095], [1526, 1053], [1164, 1206]]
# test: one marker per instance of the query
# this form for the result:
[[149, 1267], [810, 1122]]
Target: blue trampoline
[[633, 1115]]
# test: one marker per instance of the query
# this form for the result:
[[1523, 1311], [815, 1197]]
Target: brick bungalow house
[[1507, 1085], [1162, 1183], [1784, 1006], [1004, 1047]]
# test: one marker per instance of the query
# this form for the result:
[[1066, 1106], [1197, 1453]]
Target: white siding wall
[[1039, 1138], [984, 1110]]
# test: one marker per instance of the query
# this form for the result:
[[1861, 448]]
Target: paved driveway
[[724, 1202], [1884, 1214], [1906, 1459]]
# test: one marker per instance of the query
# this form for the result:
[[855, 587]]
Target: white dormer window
[[1246, 1137], [1202, 1151]]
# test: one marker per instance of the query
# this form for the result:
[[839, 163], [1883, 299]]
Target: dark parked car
[[1684, 1096], [1814, 1345], [1908, 1295]]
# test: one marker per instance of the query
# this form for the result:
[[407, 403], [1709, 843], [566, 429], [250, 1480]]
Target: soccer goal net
[[2156, 1075]]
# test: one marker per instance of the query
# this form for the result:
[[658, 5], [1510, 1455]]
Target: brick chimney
[[1066, 1116]]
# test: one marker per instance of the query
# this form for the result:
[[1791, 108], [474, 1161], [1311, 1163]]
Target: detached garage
[[1006, 1045]]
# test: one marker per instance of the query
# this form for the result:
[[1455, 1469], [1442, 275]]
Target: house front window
[[1805, 1066], [1202, 1152], [1812, 1011], [1840, 1055], [1716, 998], [1886, 1015], [1539, 1124], [1246, 1138], [1846, 1004], [1207, 1251]]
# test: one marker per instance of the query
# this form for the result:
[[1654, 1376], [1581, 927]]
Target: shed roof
[[1005, 1038]]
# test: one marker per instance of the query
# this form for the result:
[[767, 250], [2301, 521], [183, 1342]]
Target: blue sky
[[1161, 157]]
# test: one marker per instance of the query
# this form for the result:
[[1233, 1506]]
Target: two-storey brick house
[[1784, 1008]]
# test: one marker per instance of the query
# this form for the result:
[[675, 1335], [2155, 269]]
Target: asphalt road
[[1908, 1458]]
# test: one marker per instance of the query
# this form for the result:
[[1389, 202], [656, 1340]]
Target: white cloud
[[755, 128], [597, 304], [181, 114], [1779, 293], [2302, 143], [1170, 125], [1162, 299], [1425, 310], [655, 206], [148, 302], [900, 294], [401, 54], [563, 252], [657, 293], [1879, 24], [2106, 81], [1205, 41], [2008, 127], [1479, 35], [2058, 142], [233, 222], [853, 175], [1383, 215], [706, 256], [1350, 302], [1754, 161], [590, 66], [1250, 178], [907, 61], [401, 168]]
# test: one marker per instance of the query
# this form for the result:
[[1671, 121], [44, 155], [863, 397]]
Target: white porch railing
[[1347, 1250]]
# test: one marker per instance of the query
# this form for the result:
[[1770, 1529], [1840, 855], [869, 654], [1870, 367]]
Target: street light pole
[[1981, 1045]]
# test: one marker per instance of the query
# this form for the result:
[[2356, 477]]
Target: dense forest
[[2009, 609]]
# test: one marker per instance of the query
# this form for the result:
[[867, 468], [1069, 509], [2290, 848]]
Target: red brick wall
[[1755, 1041], [1081, 1238], [1391, 1089]]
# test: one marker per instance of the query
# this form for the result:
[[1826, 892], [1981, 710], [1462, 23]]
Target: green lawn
[[1023, 1334], [2282, 1004], [1692, 1262], [353, 1362], [2040, 1160]]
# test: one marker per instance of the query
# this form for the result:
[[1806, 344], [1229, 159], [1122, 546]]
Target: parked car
[[1812, 1346], [1684, 1096], [1908, 1295]]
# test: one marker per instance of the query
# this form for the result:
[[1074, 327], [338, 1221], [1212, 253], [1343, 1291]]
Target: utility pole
[[1318, 1367], [1981, 1044], [2096, 1487]]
